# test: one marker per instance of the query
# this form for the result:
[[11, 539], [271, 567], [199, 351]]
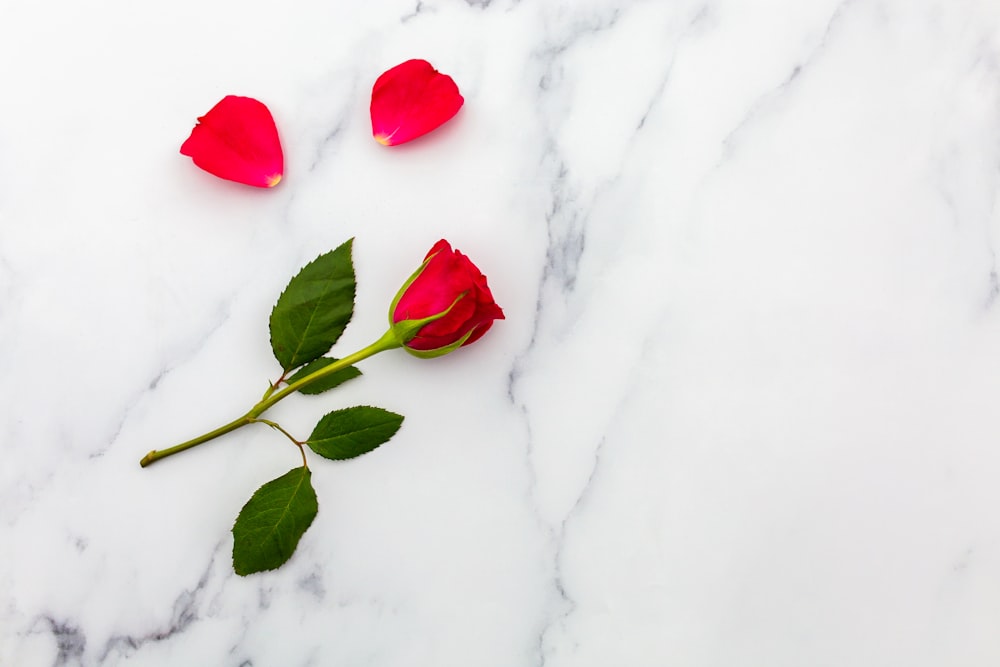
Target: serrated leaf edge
[[310, 441], [306, 477], [350, 256]]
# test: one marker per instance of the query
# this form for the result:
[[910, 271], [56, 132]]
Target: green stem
[[298, 443], [277, 427], [387, 342], [158, 454]]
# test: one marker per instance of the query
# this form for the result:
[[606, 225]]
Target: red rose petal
[[238, 141], [410, 100], [448, 281]]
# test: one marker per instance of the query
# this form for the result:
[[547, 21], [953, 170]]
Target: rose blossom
[[444, 305]]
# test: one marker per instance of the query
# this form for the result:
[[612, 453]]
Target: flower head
[[444, 305], [410, 100], [238, 141]]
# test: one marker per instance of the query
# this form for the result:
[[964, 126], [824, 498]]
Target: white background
[[744, 410]]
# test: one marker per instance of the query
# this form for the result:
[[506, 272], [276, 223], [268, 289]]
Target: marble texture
[[744, 410]]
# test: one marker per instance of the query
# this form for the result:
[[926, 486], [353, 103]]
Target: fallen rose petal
[[410, 100], [238, 141]]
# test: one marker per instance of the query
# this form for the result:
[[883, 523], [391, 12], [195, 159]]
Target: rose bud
[[444, 305], [410, 100], [238, 141]]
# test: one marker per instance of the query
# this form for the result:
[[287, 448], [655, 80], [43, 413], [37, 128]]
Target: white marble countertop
[[744, 409]]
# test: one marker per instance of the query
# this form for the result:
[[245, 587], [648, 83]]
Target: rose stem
[[387, 342]]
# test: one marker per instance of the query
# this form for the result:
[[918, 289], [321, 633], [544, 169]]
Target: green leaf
[[314, 309], [327, 383], [351, 432], [269, 526]]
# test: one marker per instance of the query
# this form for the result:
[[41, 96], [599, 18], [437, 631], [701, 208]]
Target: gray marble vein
[[742, 409]]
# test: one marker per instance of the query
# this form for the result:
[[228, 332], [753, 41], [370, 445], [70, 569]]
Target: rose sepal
[[438, 352], [407, 330], [406, 286]]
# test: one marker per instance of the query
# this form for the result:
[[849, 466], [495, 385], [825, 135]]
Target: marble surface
[[744, 410]]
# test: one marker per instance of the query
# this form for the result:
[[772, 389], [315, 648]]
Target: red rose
[[410, 100], [444, 305], [237, 140]]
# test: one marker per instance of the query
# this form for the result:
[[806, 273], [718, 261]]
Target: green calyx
[[438, 352], [407, 330], [406, 286]]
